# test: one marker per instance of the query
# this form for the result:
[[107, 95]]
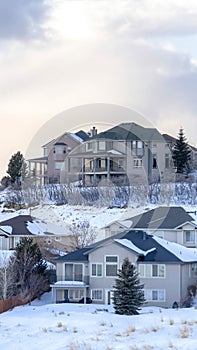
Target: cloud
[[22, 19]]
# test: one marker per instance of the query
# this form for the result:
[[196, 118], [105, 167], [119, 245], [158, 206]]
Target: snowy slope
[[96, 327]]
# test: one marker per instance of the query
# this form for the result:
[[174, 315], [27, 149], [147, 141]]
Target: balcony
[[63, 280]]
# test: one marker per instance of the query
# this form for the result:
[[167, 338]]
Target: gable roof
[[131, 131], [147, 248], [26, 225], [163, 217]]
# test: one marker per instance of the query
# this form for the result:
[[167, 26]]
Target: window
[[149, 270], [137, 162], [60, 149], [78, 268], [154, 294], [97, 294], [167, 161], [73, 272], [111, 265], [97, 270], [154, 161], [120, 163], [194, 269], [190, 236], [58, 238], [45, 151], [58, 165], [137, 144], [101, 145]]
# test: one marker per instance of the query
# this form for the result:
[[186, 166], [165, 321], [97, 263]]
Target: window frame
[[111, 263], [148, 270], [96, 290], [97, 266], [148, 295]]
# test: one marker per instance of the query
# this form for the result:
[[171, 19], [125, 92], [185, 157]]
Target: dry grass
[[130, 330], [185, 332], [59, 324], [171, 321]]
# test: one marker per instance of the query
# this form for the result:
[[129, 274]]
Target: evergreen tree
[[29, 269], [17, 168], [128, 292], [181, 154]]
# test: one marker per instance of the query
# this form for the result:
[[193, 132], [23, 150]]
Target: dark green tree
[[128, 292], [181, 154], [29, 269], [17, 168]]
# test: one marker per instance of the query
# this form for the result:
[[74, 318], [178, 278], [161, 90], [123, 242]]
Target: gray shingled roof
[[131, 131], [161, 218], [18, 224], [140, 239]]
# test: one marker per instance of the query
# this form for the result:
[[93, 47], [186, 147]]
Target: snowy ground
[[96, 327]]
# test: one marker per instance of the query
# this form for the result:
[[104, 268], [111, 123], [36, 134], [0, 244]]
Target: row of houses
[[124, 154], [162, 243]]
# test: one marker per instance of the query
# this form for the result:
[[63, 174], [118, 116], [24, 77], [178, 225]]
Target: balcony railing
[[77, 278]]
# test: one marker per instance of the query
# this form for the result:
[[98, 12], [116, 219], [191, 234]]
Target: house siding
[[98, 256]]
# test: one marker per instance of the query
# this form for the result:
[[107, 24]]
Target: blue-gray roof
[[159, 253], [161, 218], [131, 131]]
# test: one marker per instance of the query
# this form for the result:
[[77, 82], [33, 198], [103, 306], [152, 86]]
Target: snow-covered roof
[[128, 244], [7, 229], [183, 253], [76, 137]]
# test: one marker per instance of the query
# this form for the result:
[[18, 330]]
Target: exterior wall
[[4, 243], [187, 279], [98, 256], [53, 157], [136, 175], [170, 284]]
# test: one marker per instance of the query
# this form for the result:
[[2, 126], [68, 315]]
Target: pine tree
[[29, 269], [17, 168], [181, 154], [128, 292]]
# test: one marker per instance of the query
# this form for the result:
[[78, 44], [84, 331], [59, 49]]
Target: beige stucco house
[[126, 154], [47, 169]]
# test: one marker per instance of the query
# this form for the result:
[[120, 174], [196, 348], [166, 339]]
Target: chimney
[[93, 131]]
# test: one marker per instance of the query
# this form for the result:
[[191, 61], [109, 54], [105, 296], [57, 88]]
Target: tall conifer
[[181, 154], [128, 292]]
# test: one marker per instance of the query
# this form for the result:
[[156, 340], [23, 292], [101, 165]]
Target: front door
[[108, 297]]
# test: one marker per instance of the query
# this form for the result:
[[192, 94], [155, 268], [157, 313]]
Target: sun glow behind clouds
[[73, 20]]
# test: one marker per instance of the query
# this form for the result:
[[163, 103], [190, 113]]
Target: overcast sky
[[57, 54]]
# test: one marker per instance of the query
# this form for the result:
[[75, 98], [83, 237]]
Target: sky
[[58, 55]]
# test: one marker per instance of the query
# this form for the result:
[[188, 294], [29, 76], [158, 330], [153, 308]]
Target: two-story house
[[165, 268], [173, 223], [45, 233], [125, 154], [47, 169]]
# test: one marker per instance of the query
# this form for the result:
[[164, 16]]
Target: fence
[[8, 304]]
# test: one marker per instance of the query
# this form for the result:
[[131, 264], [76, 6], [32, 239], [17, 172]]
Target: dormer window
[[60, 148]]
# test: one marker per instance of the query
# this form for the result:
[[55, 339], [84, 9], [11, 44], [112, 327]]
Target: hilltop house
[[165, 268], [171, 223], [44, 233], [47, 169], [125, 154]]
